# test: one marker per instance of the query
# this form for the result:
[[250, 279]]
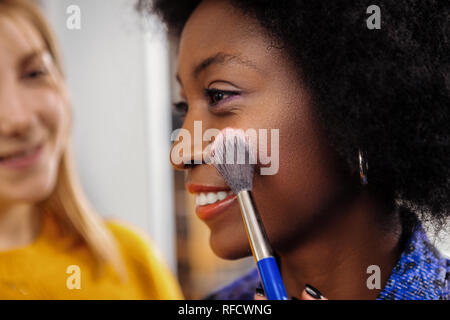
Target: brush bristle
[[232, 156]]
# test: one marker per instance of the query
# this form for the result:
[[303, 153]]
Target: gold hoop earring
[[363, 167]]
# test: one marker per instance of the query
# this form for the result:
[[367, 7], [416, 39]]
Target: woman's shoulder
[[132, 238], [136, 245], [421, 273], [143, 259]]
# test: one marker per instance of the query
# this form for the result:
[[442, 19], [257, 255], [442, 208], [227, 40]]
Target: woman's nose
[[189, 148], [185, 153], [15, 117]]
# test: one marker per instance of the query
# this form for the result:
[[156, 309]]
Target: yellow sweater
[[50, 269]]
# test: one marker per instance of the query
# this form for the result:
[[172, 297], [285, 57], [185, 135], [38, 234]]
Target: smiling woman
[[364, 137], [46, 224]]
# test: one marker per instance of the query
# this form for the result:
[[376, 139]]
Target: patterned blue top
[[422, 273]]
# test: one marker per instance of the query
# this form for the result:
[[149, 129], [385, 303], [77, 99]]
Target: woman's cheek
[[55, 115]]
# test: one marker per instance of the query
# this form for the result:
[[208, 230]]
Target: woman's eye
[[215, 95], [36, 74], [181, 108]]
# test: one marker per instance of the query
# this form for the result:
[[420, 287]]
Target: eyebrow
[[219, 58]]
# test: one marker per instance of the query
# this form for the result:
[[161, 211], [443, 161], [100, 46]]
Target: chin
[[33, 190], [229, 247], [32, 196]]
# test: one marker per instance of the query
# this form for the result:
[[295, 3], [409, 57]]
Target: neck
[[335, 257], [18, 226]]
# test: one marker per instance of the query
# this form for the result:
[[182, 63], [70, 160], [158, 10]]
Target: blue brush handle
[[271, 279]]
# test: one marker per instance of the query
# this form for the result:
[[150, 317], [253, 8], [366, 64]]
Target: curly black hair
[[384, 91]]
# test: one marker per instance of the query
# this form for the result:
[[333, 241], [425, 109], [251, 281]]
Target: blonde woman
[[52, 245]]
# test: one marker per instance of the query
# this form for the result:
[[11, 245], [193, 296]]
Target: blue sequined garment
[[422, 273]]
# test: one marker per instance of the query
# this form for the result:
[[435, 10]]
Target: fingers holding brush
[[309, 293], [259, 294]]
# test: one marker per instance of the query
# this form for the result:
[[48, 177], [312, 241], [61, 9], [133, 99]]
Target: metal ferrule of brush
[[255, 230]]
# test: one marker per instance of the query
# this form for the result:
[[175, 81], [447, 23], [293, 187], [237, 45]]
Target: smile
[[22, 159], [211, 197], [211, 201]]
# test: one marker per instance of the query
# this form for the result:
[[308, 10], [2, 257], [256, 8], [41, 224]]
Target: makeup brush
[[232, 156]]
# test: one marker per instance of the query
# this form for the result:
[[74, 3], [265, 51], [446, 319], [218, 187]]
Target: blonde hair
[[67, 203]]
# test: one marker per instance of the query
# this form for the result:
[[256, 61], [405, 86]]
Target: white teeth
[[211, 197], [221, 195], [202, 198]]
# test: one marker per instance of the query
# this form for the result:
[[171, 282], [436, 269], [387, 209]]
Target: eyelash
[[182, 107], [36, 74], [209, 93]]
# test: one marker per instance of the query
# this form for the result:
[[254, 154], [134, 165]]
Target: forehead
[[216, 26], [18, 36]]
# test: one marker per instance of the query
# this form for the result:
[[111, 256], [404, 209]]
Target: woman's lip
[[209, 211], [197, 188], [25, 161]]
